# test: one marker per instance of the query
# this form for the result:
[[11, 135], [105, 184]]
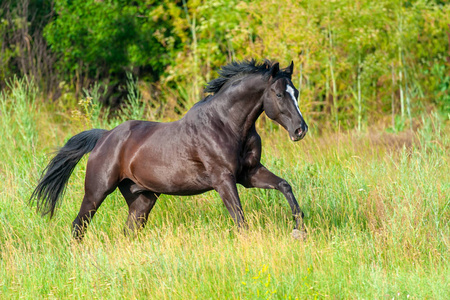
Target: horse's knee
[[284, 187]]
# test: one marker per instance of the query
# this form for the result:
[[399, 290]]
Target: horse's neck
[[237, 107], [240, 108]]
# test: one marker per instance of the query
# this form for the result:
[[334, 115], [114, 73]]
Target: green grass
[[377, 210]]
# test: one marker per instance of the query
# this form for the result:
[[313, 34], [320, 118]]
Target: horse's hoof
[[299, 234]]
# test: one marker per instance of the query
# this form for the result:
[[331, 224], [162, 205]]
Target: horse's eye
[[279, 95]]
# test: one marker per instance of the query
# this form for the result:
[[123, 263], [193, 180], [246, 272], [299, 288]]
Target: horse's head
[[281, 102]]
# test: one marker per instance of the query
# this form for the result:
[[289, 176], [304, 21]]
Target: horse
[[213, 146]]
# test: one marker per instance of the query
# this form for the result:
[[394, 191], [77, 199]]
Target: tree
[[103, 40]]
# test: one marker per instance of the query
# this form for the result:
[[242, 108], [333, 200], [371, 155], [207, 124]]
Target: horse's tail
[[52, 184]]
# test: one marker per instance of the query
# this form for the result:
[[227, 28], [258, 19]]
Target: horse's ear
[[291, 68], [274, 70]]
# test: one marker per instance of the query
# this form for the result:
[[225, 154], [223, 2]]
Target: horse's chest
[[249, 159], [250, 155]]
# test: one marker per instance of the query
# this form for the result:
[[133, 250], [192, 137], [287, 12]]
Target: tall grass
[[376, 206]]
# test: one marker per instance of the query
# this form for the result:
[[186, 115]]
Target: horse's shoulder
[[253, 136], [251, 153]]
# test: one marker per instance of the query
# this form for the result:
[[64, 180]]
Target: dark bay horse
[[214, 146]]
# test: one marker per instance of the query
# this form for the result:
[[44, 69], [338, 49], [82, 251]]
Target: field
[[376, 205]]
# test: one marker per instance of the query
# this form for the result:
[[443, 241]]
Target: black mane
[[236, 68]]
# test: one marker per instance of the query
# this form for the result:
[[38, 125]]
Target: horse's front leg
[[260, 177], [226, 187]]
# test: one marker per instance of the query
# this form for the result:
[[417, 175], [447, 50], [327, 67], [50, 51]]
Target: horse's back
[[123, 134]]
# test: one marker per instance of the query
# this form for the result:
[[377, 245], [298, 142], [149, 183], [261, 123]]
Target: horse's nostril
[[298, 132]]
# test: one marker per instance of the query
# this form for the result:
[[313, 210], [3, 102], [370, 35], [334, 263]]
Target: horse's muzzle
[[300, 133]]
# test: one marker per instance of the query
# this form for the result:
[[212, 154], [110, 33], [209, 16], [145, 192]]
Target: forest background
[[356, 62]]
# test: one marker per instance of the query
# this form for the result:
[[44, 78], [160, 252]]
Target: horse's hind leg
[[97, 186], [140, 203]]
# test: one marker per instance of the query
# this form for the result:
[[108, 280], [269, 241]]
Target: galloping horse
[[214, 146]]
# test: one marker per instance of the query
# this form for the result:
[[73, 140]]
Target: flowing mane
[[236, 68]]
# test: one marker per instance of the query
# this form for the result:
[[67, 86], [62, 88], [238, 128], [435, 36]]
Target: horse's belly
[[172, 177], [173, 187], [188, 192]]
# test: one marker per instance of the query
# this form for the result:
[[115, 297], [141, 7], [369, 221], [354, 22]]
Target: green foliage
[[345, 54], [7, 53], [23, 51], [105, 39], [355, 62], [18, 110], [134, 108], [442, 88], [207, 30]]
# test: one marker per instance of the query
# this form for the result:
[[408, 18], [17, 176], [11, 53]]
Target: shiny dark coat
[[214, 146]]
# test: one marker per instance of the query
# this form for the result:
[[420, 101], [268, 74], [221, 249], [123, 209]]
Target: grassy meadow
[[376, 205]]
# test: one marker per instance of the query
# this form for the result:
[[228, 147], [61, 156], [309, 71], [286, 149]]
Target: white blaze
[[290, 90]]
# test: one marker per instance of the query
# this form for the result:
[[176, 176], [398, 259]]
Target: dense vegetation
[[372, 176], [356, 62]]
